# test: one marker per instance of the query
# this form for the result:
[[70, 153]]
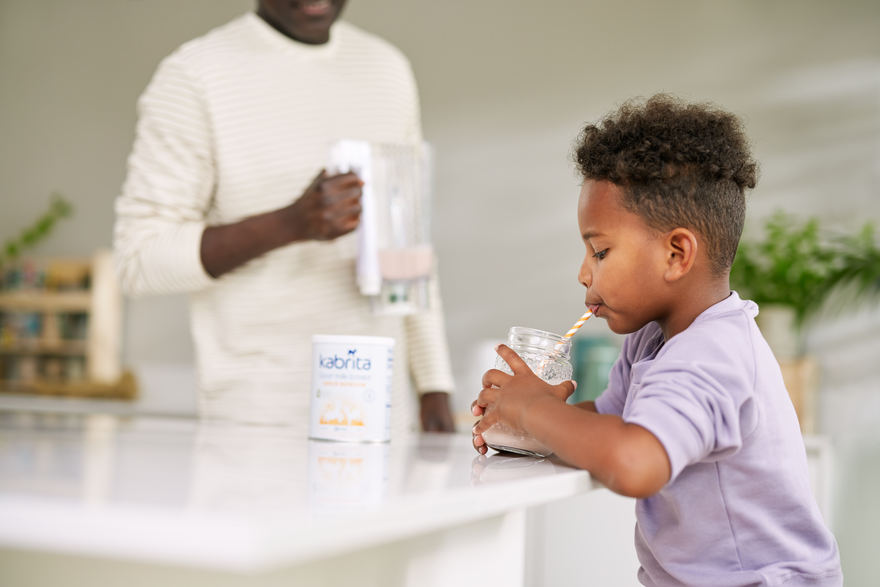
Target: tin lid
[[353, 339]]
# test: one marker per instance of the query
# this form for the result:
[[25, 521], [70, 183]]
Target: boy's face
[[624, 263]]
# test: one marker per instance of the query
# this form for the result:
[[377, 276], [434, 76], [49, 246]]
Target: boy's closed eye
[[601, 254]]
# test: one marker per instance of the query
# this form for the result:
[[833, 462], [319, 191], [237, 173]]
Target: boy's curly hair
[[678, 164]]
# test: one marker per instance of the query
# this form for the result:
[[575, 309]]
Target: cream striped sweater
[[237, 123]]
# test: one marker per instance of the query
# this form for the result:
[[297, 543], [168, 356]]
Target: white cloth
[[236, 123]]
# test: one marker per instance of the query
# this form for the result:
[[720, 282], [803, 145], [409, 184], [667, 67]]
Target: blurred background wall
[[505, 86]]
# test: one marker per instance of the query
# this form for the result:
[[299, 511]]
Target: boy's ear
[[681, 248]]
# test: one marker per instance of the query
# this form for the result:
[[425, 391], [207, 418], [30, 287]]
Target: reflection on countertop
[[501, 467], [242, 484], [204, 466]]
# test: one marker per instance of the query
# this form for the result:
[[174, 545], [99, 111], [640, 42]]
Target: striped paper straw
[[578, 324], [574, 329]]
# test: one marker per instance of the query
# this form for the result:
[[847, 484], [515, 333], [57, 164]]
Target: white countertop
[[246, 499]]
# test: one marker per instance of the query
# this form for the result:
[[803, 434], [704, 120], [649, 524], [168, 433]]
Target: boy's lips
[[593, 308]]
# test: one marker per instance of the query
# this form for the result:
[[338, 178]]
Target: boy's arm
[[626, 458], [590, 406]]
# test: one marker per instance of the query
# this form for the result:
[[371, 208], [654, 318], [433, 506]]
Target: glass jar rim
[[532, 337]]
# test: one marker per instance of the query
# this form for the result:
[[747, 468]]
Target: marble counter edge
[[251, 544]]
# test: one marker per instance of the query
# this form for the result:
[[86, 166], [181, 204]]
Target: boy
[[696, 422]]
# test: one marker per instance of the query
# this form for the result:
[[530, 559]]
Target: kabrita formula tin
[[351, 388]]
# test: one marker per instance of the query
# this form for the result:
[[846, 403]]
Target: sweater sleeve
[[429, 360], [412, 113], [428, 350], [160, 216]]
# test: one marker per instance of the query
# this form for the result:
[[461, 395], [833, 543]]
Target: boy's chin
[[622, 327]]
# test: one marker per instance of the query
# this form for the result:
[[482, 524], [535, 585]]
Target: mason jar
[[547, 355]]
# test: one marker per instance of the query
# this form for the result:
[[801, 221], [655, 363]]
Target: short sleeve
[[692, 406]]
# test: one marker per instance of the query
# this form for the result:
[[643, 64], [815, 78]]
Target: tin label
[[351, 388]]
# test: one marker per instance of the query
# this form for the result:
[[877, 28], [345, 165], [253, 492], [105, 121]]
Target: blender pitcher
[[395, 256]]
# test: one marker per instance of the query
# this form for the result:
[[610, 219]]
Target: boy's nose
[[584, 276]]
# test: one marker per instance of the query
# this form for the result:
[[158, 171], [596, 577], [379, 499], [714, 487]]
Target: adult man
[[233, 126]]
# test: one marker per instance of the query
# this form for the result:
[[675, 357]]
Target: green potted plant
[[58, 208], [796, 269]]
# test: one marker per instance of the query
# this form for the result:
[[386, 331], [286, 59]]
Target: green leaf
[[39, 230], [796, 265]]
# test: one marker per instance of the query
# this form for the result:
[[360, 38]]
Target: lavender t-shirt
[[738, 510]]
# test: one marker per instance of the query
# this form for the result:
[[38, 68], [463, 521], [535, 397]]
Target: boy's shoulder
[[722, 329], [725, 333]]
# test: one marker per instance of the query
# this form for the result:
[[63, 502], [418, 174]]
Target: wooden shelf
[[65, 348], [101, 372], [16, 386], [125, 388], [27, 301]]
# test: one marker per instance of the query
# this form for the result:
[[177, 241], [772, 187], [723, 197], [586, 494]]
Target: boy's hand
[[507, 398]]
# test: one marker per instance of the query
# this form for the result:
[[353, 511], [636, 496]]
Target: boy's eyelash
[[601, 254]]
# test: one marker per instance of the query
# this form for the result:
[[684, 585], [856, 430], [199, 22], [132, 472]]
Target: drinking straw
[[571, 332], [568, 335], [578, 324]]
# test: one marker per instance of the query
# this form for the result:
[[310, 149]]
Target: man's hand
[[436, 416], [329, 208], [507, 398]]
